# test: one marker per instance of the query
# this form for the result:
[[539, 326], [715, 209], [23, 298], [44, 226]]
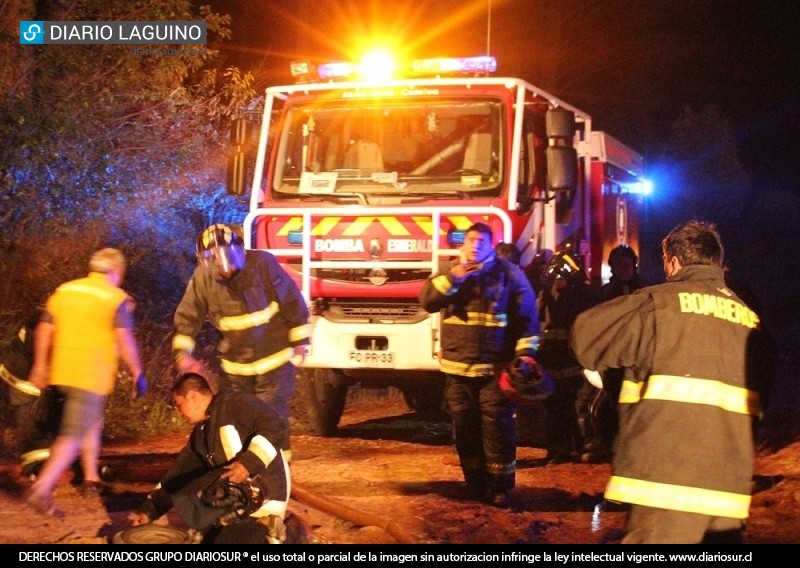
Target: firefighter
[[231, 481], [535, 270], [33, 437], [566, 294], [488, 321], [597, 407], [684, 454], [624, 265], [258, 309]]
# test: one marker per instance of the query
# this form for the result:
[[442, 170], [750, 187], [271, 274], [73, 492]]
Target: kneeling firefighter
[[231, 481]]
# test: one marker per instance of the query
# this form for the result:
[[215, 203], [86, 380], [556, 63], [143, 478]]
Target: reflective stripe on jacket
[[260, 313], [487, 320]]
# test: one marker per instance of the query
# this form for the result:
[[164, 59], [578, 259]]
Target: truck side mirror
[[237, 167], [562, 158], [562, 168], [237, 163]]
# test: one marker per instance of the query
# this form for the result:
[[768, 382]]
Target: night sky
[[633, 65]]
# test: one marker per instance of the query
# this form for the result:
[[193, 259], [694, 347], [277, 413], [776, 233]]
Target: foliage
[[105, 146], [120, 156], [149, 416]]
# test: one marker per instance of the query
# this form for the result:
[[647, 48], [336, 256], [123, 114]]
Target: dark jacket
[[557, 315], [259, 311], [238, 426], [487, 320], [16, 360], [685, 440], [616, 287]]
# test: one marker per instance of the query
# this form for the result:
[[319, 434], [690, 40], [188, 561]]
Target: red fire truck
[[364, 187]]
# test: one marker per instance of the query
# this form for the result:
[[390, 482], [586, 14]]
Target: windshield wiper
[[424, 194]]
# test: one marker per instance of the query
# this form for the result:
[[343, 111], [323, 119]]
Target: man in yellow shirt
[[86, 327]]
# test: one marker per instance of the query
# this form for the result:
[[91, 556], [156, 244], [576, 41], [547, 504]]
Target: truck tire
[[323, 393]]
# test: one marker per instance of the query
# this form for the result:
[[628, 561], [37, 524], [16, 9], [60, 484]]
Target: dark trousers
[[484, 431], [564, 436], [276, 388], [32, 436]]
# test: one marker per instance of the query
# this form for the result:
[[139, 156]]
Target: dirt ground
[[392, 477]]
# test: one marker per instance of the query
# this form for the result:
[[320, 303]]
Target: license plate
[[382, 359]]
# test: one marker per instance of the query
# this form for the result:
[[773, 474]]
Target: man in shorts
[[86, 327]]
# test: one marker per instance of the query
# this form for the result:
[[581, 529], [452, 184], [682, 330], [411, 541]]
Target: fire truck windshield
[[408, 148]]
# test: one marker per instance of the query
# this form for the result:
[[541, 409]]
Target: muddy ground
[[392, 477]]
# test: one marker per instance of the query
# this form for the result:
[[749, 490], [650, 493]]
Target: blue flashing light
[[640, 187], [444, 65], [337, 70]]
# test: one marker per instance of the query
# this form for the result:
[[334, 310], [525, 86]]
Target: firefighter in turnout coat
[[684, 457], [231, 482], [488, 319], [258, 309]]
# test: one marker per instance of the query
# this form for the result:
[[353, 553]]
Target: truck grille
[[372, 312], [362, 275]]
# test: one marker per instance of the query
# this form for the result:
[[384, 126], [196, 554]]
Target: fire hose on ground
[[352, 515]]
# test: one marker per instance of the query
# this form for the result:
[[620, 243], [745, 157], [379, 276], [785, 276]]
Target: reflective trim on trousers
[[467, 370], [34, 456], [502, 468]]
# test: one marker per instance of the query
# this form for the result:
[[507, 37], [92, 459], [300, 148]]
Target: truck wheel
[[323, 393], [425, 397]]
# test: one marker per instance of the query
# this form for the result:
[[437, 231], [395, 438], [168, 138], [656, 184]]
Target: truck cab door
[[533, 161]]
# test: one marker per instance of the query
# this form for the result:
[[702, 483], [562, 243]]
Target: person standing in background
[[624, 265], [597, 406], [87, 325], [33, 437], [565, 295]]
